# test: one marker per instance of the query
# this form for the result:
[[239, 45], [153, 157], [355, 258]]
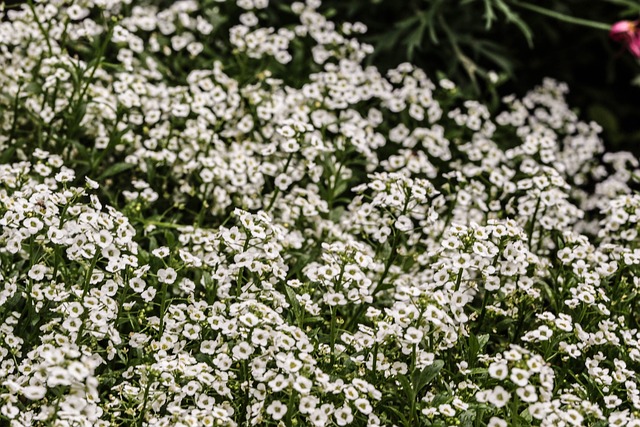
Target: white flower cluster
[[213, 213]]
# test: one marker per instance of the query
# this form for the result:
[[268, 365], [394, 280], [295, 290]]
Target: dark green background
[[598, 70]]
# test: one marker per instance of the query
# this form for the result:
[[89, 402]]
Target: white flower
[[499, 397], [192, 331], [519, 377], [137, 284], [307, 404], [403, 223], [574, 417], [290, 145], [283, 181], [497, 422], [447, 410], [278, 383], [303, 385], [343, 416], [413, 335], [318, 418], [161, 252], [527, 394], [91, 183], [57, 376], [167, 275], [363, 406], [619, 418], [34, 392], [612, 401], [148, 294], [103, 238], [33, 225], [10, 411], [242, 350], [498, 370], [37, 272], [277, 410]]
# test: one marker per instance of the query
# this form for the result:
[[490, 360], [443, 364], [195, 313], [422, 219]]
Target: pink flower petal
[[621, 28], [634, 45]]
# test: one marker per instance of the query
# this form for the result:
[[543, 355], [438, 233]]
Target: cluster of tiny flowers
[[214, 213]]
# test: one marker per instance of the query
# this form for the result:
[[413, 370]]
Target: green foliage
[[521, 41]]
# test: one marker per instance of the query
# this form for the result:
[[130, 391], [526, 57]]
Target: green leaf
[[341, 186], [397, 413], [489, 15], [494, 52], [441, 398], [414, 40], [514, 18], [115, 169], [7, 154], [35, 319], [406, 387], [336, 213], [293, 302], [170, 238], [604, 117], [405, 24], [430, 18], [467, 417], [550, 294], [483, 340], [424, 377], [474, 348], [153, 243]]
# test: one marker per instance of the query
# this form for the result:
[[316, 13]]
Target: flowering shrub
[[212, 213]]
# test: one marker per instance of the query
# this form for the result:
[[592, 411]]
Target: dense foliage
[[521, 41], [214, 213]]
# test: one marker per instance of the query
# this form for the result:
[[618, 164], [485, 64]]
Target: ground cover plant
[[214, 214]]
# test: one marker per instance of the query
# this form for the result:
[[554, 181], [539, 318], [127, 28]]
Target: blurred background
[[522, 41]]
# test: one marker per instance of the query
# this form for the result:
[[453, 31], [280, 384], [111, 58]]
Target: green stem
[[101, 56], [40, 27], [163, 307], [334, 185], [85, 290], [240, 278], [449, 217], [204, 207], [146, 398], [332, 338], [393, 254], [245, 394], [290, 407], [121, 300], [483, 311], [412, 412], [277, 190], [562, 17], [519, 325], [533, 222], [375, 359], [458, 280], [164, 224], [469, 66], [14, 121], [387, 266], [169, 224]]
